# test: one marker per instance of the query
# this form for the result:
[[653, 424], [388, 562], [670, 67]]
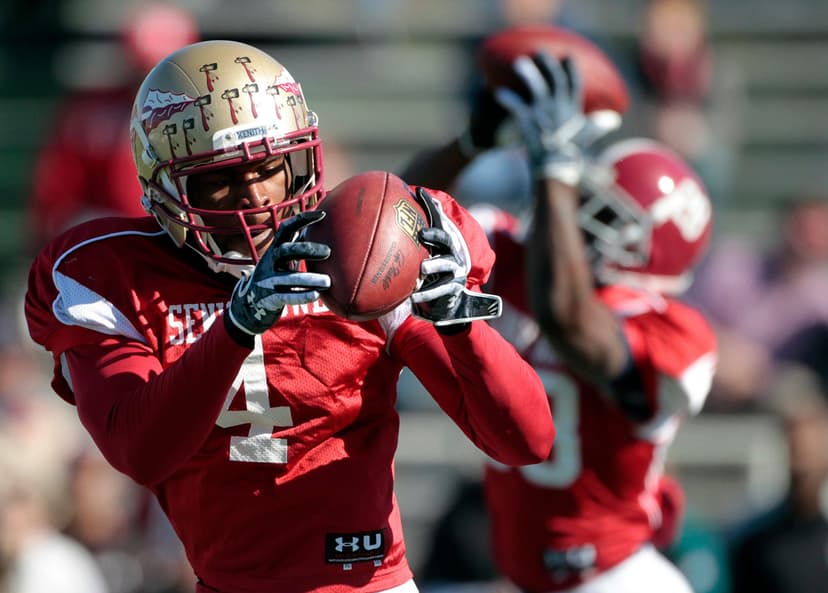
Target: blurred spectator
[[785, 549], [675, 59], [674, 71], [530, 12], [104, 519], [85, 167], [63, 506], [765, 304], [113, 518], [37, 558], [459, 549], [37, 438]]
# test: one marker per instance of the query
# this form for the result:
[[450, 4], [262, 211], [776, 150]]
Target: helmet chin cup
[[236, 270]]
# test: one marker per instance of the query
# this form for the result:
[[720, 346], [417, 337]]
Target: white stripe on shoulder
[[640, 303], [697, 379], [78, 305], [679, 397]]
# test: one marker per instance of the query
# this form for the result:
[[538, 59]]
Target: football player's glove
[[442, 297], [551, 122], [276, 281]]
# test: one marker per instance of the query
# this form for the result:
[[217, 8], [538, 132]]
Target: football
[[604, 87], [371, 224]]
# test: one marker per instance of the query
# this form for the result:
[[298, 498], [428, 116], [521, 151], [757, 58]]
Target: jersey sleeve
[[675, 351], [107, 368], [41, 298], [482, 383], [133, 408]]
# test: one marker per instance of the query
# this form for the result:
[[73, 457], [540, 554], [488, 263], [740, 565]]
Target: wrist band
[[568, 173]]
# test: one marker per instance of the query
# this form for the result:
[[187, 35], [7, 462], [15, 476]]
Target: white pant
[[406, 587], [646, 571]]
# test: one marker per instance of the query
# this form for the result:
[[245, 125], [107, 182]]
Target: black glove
[[442, 297], [259, 298], [550, 116], [487, 116]]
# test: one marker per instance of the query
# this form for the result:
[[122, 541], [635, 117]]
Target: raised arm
[[561, 290]]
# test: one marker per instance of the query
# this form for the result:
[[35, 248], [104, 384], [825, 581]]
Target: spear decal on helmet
[[273, 91], [229, 95], [249, 89], [169, 131], [189, 124], [201, 103], [244, 61], [208, 69]]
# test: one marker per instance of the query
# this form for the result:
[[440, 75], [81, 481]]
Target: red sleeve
[[145, 420], [482, 383]]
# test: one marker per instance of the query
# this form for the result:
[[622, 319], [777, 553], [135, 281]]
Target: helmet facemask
[[615, 229], [202, 229]]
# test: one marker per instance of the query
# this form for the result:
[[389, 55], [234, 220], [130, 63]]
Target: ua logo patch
[[347, 548]]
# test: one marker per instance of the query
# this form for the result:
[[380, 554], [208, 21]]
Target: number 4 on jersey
[[259, 445]]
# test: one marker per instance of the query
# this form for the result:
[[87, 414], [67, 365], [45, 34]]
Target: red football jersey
[[290, 486], [593, 503]]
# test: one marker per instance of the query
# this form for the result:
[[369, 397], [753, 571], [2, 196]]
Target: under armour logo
[[341, 544], [349, 548]]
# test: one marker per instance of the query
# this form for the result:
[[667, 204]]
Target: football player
[[590, 300], [203, 364]]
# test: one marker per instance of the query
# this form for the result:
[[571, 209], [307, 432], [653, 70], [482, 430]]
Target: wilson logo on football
[[407, 219]]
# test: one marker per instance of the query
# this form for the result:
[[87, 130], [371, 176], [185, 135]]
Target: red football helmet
[[647, 216]]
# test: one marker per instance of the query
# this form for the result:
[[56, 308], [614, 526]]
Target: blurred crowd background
[[739, 87]]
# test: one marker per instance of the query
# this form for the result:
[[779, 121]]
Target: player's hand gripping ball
[[371, 225]]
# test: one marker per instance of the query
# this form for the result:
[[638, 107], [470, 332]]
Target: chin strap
[[236, 270]]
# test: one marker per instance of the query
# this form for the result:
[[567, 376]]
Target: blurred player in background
[[85, 169], [203, 364], [589, 302]]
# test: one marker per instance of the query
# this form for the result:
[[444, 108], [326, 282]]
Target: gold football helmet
[[216, 104]]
